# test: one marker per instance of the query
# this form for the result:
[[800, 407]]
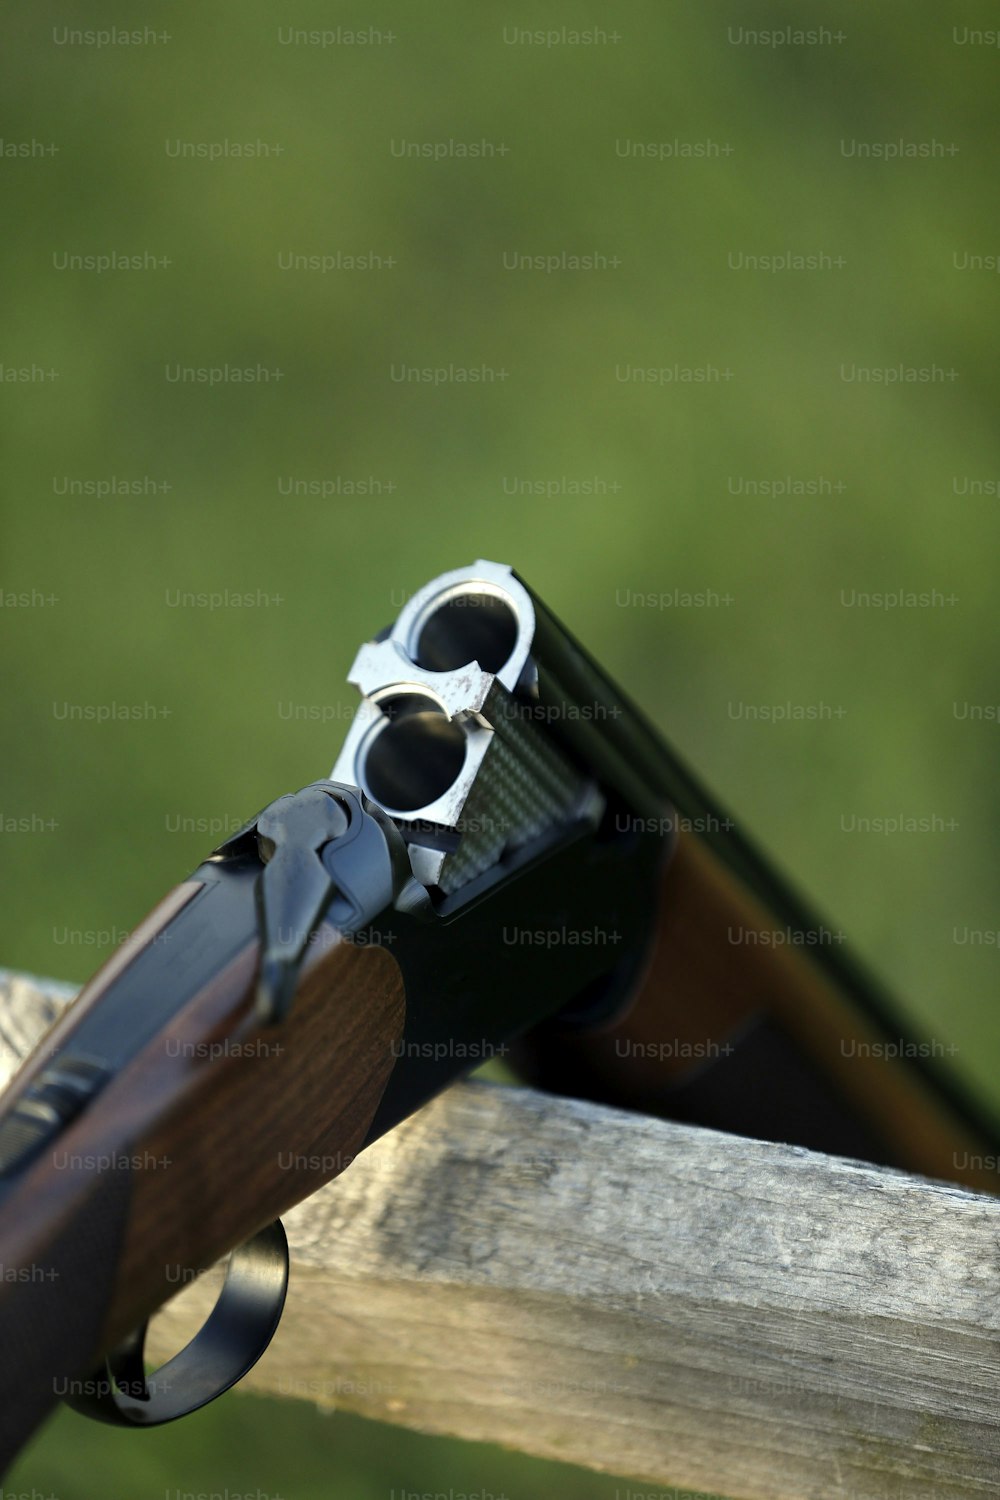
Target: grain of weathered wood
[[648, 1299], [27, 1010]]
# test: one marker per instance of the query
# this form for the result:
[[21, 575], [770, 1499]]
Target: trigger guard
[[231, 1341]]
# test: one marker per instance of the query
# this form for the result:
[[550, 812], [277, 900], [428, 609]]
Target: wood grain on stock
[[264, 1129], [226, 1124], [701, 987]]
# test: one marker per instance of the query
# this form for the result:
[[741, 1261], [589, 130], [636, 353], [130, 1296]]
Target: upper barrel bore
[[464, 625]]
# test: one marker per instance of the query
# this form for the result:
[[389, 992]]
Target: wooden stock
[[221, 1125], [719, 965]]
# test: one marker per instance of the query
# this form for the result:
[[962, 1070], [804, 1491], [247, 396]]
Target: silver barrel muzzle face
[[481, 614], [413, 754], [447, 743], [464, 624]]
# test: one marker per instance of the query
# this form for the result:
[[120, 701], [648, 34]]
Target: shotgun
[[507, 860]]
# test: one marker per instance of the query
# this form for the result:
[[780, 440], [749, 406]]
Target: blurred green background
[[897, 482]]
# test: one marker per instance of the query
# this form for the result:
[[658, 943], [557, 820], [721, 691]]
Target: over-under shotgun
[[506, 854]]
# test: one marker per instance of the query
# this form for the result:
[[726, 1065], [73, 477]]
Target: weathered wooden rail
[[689, 1308]]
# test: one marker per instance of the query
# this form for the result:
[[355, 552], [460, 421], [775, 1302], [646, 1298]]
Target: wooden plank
[[690, 1308]]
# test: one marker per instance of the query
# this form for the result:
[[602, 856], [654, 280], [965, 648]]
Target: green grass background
[[340, 565]]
